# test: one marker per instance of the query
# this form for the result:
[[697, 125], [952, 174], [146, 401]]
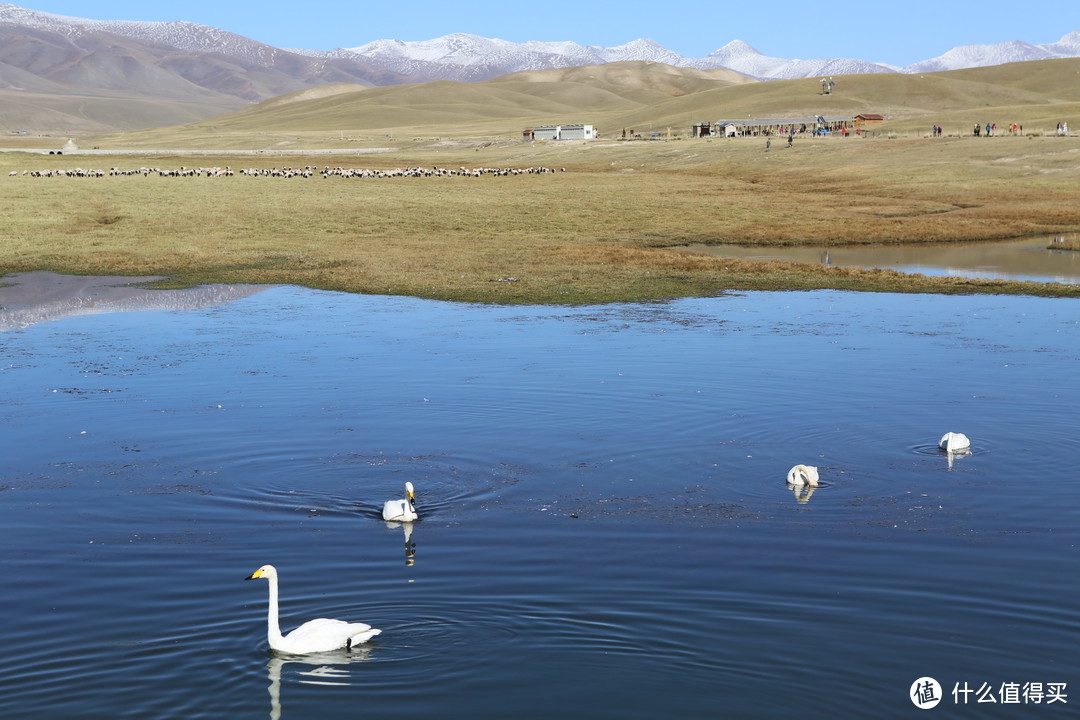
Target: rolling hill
[[68, 75], [1035, 86], [639, 95], [502, 106]]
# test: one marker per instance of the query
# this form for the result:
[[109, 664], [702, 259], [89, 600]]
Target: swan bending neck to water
[[403, 510], [803, 475], [954, 442], [319, 635]]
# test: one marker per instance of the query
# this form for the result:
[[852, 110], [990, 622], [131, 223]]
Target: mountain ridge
[[465, 53], [64, 74], [467, 57]]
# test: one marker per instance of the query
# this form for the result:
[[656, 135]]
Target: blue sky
[[900, 34]]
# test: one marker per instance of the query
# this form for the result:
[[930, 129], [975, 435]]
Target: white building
[[577, 132], [546, 132], [564, 132]]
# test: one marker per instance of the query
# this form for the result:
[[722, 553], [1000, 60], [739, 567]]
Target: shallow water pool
[[1033, 259]]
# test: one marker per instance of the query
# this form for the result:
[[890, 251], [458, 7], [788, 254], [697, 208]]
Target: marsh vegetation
[[609, 228]]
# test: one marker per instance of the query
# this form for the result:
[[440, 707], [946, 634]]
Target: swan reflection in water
[[325, 669], [955, 455], [802, 493], [410, 545]]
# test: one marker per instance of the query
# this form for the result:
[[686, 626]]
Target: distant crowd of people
[[991, 129]]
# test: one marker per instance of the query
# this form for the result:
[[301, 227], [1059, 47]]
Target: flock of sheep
[[290, 172]]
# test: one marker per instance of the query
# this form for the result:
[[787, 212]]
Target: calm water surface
[[606, 529], [1033, 259]]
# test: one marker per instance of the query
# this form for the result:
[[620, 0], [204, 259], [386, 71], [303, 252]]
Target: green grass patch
[[606, 229]]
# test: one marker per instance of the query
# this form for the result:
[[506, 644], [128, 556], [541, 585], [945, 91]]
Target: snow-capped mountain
[[461, 56], [187, 36], [468, 57], [1068, 46], [967, 56], [464, 49], [45, 52], [740, 57]]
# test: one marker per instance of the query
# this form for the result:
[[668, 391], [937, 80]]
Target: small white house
[[577, 132], [564, 132]]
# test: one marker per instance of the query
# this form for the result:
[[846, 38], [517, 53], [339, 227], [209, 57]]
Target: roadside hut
[[864, 119], [815, 124]]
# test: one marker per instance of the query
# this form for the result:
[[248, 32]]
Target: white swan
[[403, 510], [320, 635], [803, 475], [954, 442]]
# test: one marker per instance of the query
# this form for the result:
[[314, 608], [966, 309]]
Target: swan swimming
[[403, 510], [954, 442], [803, 475], [319, 635]]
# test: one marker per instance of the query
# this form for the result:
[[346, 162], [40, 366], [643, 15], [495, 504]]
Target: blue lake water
[[606, 531]]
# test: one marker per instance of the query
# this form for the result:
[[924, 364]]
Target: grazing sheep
[[289, 172]]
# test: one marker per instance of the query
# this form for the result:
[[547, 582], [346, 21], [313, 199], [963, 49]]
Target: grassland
[[609, 228], [606, 229]]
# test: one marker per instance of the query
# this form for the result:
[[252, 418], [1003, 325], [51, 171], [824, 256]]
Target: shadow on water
[[1029, 259]]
